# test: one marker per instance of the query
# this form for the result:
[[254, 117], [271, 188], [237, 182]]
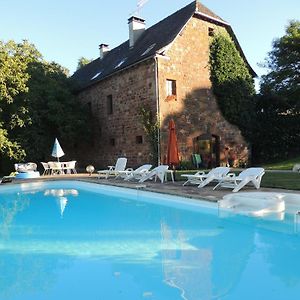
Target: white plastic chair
[[69, 167], [114, 170], [202, 179], [158, 172], [46, 167], [250, 175], [56, 167]]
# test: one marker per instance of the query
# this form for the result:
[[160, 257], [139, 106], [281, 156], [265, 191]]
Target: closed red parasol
[[172, 156]]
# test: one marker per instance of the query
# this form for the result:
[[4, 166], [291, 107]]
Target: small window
[[120, 63], [98, 104], [112, 142], [211, 31], [171, 87], [139, 139], [110, 109], [96, 75], [148, 49]]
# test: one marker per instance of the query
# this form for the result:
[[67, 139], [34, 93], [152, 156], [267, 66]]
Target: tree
[[284, 65], [36, 105], [14, 59], [54, 111], [9, 148], [82, 61], [278, 105]]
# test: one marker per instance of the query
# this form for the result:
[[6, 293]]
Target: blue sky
[[65, 30]]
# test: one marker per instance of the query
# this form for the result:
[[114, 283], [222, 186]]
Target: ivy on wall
[[232, 82], [151, 128]]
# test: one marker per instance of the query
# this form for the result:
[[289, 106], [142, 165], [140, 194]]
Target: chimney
[[103, 50], [136, 28]]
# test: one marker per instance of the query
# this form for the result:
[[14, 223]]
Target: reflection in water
[[61, 192], [119, 250], [62, 202], [187, 270], [60, 195], [9, 208], [283, 266]]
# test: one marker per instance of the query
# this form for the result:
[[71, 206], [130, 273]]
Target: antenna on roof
[[139, 6]]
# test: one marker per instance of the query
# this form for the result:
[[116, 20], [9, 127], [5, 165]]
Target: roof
[[151, 42]]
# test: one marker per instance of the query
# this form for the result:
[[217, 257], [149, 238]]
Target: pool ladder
[[138, 188]]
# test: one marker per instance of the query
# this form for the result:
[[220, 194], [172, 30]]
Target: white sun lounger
[[136, 174], [114, 170], [250, 175], [6, 179], [159, 172], [202, 179]]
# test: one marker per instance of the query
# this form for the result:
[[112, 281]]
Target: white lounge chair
[[250, 175], [136, 174], [25, 167], [202, 179], [6, 179], [26, 170], [296, 168], [159, 172], [114, 170]]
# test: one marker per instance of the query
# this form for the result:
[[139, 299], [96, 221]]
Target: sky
[[65, 30]]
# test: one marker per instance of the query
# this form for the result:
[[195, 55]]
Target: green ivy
[[151, 128], [232, 82]]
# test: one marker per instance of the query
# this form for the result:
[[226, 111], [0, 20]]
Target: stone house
[[164, 69]]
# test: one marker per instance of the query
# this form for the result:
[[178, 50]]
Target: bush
[[186, 165]]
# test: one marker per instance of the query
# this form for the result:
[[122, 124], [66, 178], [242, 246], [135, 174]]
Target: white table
[[171, 172]]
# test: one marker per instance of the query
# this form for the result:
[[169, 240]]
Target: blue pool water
[[75, 240]]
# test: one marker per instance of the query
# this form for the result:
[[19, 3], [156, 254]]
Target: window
[[148, 49], [112, 142], [120, 63], [110, 105], [171, 89], [89, 107], [139, 139], [98, 104], [211, 31], [96, 75]]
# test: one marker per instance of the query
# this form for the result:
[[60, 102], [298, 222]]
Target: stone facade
[[119, 132], [194, 108]]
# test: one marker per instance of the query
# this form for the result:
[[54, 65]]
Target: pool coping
[[176, 189]]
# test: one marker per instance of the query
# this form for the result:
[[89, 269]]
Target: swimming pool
[[76, 240]]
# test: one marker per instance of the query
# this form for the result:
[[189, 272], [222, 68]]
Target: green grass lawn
[[288, 180], [284, 180], [282, 165]]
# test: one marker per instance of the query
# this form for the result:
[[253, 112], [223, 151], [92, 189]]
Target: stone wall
[[116, 134], [194, 108]]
